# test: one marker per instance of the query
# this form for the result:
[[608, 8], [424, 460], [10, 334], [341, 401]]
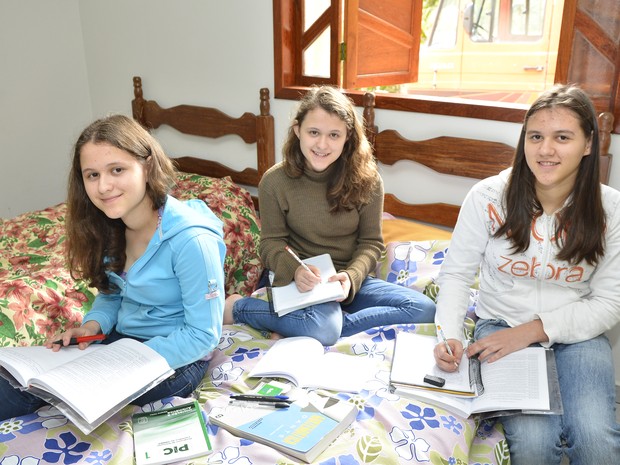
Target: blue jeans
[[182, 383], [376, 303], [587, 431]]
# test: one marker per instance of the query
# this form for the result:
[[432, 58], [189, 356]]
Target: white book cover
[[287, 298]]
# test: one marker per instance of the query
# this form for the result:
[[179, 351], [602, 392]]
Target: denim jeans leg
[[181, 384], [587, 383], [379, 303], [322, 322], [15, 402], [587, 431]]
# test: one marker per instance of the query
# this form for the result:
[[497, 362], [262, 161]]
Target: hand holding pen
[[305, 281], [75, 341], [445, 342]]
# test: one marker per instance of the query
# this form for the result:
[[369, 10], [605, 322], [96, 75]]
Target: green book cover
[[170, 435]]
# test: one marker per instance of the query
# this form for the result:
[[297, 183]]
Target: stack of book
[[525, 381], [302, 428]]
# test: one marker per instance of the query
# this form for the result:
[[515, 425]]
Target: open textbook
[[523, 381], [303, 361], [287, 298], [87, 386]]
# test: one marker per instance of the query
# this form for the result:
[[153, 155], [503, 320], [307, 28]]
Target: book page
[[517, 381], [24, 363], [409, 371], [340, 372], [288, 358], [303, 361], [101, 379], [288, 298]]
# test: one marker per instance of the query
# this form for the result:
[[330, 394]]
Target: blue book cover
[[303, 430], [294, 427]]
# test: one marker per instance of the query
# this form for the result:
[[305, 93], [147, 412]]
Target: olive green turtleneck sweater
[[295, 212]]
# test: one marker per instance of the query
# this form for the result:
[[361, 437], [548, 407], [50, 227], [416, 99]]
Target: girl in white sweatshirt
[[545, 238]]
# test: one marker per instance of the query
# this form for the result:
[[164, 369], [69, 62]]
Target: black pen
[[253, 403], [259, 398]]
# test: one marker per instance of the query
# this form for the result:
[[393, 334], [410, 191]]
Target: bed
[[39, 298]]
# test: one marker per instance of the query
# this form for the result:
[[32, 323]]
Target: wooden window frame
[[288, 83]]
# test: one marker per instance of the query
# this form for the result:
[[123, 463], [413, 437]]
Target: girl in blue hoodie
[[157, 262]]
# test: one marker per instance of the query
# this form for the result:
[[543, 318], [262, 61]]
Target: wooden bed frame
[[212, 123], [470, 158]]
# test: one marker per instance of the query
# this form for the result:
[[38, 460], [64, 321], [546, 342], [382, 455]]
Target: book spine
[[475, 375]]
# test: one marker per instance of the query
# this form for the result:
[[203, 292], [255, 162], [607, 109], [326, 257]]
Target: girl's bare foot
[[275, 336], [228, 308]]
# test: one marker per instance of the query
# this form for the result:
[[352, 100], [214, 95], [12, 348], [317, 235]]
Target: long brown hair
[[581, 223], [355, 175], [96, 243]]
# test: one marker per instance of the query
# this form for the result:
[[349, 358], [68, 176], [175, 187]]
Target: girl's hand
[[444, 360], [505, 341], [90, 328], [306, 280], [345, 282]]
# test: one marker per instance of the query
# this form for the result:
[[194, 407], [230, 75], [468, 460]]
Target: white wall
[[66, 62], [44, 100]]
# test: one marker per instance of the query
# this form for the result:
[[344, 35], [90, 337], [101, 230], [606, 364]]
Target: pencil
[[445, 341], [289, 250]]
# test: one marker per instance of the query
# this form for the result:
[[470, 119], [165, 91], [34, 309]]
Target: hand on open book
[[505, 341], [345, 282]]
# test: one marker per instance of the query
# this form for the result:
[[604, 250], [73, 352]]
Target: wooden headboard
[[212, 123], [458, 156]]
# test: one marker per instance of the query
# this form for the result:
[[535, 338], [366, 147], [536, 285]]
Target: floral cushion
[[234, 206], [412, 264], [38, 296], [416, 264]]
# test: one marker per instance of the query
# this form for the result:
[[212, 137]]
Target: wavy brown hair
[[355, 174], [581, 223], [96, 243]]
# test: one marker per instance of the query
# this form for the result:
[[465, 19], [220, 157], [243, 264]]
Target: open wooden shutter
[[382, 42], [589, 53]]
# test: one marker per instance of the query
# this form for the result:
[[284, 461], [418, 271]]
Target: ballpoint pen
[[445, 341], [76, 340], [305, 267], [253, 403], [259, 398]]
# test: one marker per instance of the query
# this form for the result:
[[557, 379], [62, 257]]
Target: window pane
[[440, 24], [527, 18], [312, 10], [483, 20], [316, 56]]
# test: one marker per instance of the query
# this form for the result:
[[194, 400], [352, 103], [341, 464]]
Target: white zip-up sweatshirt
[[574, 302]]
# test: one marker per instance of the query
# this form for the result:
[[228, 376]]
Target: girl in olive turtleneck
[[326, 196]]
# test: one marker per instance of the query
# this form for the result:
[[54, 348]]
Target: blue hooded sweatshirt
[[173, 295]]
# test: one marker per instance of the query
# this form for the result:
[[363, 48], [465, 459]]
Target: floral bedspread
[[38, 298], [388, 429]]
